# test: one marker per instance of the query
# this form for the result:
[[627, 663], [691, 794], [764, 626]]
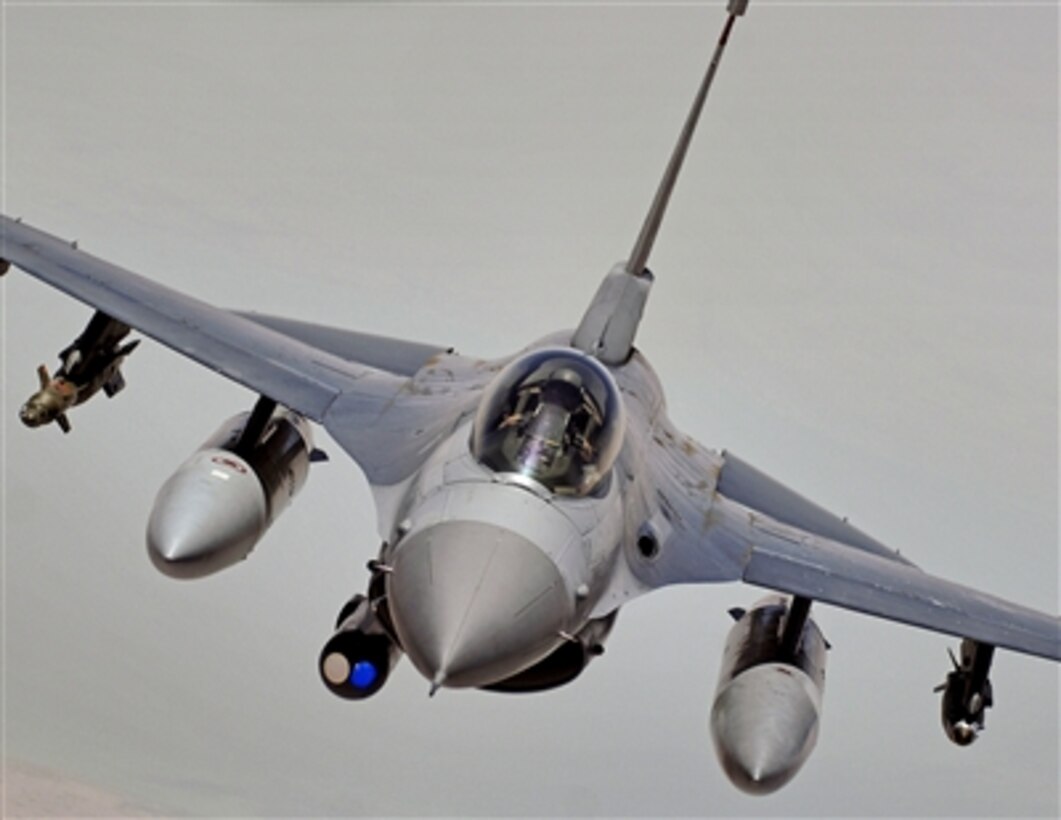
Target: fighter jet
[[521, 502]]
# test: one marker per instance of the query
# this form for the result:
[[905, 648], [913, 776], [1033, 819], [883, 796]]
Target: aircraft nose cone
[[474, 603]]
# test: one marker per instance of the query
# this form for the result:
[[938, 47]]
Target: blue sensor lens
[[363, 675]]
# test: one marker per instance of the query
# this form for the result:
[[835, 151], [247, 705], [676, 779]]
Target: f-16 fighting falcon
[[521, 502]]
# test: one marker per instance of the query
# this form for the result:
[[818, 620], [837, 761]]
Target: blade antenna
[[639, 255]]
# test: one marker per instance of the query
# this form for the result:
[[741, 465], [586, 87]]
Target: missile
[[767, 708], [51, 402], [218, 504], [967, 693], [90, 363]]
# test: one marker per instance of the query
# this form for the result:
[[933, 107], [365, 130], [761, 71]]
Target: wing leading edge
[[358, 385], [305, 378], [747, 526], [783, 558]]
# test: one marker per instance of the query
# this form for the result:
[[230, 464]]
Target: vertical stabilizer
[[608, 328]]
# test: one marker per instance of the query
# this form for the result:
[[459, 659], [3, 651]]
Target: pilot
[[554, 435], [549, 424]]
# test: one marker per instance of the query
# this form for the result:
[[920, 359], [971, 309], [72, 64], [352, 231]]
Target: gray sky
[[856, 291]]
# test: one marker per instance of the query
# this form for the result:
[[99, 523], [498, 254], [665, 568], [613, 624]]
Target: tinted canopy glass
[[554, 416]]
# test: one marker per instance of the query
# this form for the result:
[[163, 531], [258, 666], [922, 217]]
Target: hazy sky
[[857, 291]]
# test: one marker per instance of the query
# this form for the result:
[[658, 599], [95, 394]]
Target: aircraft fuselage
[[489, 571]]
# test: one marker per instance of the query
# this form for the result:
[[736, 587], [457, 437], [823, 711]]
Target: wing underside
[[782, 558], [302, 366], [747, 526], [365, 389]]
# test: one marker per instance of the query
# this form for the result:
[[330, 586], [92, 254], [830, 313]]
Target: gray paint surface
[[856, 290]]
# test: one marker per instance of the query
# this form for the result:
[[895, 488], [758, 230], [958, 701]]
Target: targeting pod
[[357, 660]]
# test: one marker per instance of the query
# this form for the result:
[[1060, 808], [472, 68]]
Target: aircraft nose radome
[[765, 724], [473, 603]]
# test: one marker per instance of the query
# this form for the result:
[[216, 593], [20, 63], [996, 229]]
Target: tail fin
[[608, 328]]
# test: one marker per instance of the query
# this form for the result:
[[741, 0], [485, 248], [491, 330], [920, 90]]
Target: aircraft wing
[[785, 559], [311, 369], [743, 525], [391, 355]]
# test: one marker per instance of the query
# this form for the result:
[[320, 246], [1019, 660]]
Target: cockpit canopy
[[554, 416]]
